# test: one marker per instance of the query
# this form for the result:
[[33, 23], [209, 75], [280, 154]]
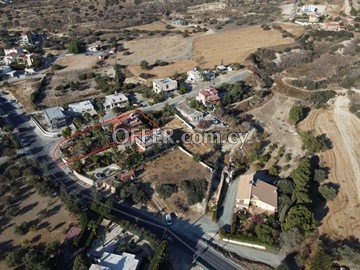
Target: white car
[[168, 219]]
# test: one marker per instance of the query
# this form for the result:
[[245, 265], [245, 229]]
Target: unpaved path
[[343, 129]]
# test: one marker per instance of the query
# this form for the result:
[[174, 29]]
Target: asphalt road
[[36, 145]]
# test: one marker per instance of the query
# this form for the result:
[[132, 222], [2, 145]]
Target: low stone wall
[[184, 121], [244, 244], [84, 179], [45, 132], [191, 155]]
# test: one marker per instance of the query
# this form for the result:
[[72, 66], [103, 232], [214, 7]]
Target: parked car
[[168, 219]]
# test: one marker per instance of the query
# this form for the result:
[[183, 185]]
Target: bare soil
[[343, 129]]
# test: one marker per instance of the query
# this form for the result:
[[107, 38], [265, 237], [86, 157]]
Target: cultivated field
[[343, 129], [235, 45]]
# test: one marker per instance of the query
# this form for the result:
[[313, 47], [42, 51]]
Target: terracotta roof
[[265, 192], [127, 175], [209, 92]]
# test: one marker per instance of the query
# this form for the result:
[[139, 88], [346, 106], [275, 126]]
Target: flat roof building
[[116, 100], [82, 107], [55, 117], [110, 261], [164, 85], [189, 113]]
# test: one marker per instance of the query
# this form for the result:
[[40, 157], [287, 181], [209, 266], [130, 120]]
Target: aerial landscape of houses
[[183, 134]]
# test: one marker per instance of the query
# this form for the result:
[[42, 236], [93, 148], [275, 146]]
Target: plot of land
[[176, 67], [273, 116], [173, 167], [236, 45], [343, 129], [167, 48], [22, 92], [293, 28], [76, 62]]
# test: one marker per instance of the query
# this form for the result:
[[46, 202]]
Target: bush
[[311, 143], [195, 190], [296, 114], [159, 256], [81, 262], [273, 171], [166, 190], [320, 175], [320, 98], [328, 192]]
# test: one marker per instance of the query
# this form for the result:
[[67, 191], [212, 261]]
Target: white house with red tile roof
[[208, 96]]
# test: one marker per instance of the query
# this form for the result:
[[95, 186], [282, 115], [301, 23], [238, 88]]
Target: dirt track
[[343, 129]]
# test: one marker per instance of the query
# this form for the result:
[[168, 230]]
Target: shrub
[[296, 114], [166, 190], [195, 190], [311, 143], [273, 171], [320, 98], [328, 192]]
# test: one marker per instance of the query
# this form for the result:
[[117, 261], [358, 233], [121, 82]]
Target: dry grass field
[[293, 28], [343, 129], [175, 67], [76, 62], [22, 92], [168, 48], [173, 167], [234, 46]]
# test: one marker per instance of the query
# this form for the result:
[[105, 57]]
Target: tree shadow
[[27, 208], [53, 210], [5, 247], [59, 225], [35, 239], [43, 225], [326, 140]]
